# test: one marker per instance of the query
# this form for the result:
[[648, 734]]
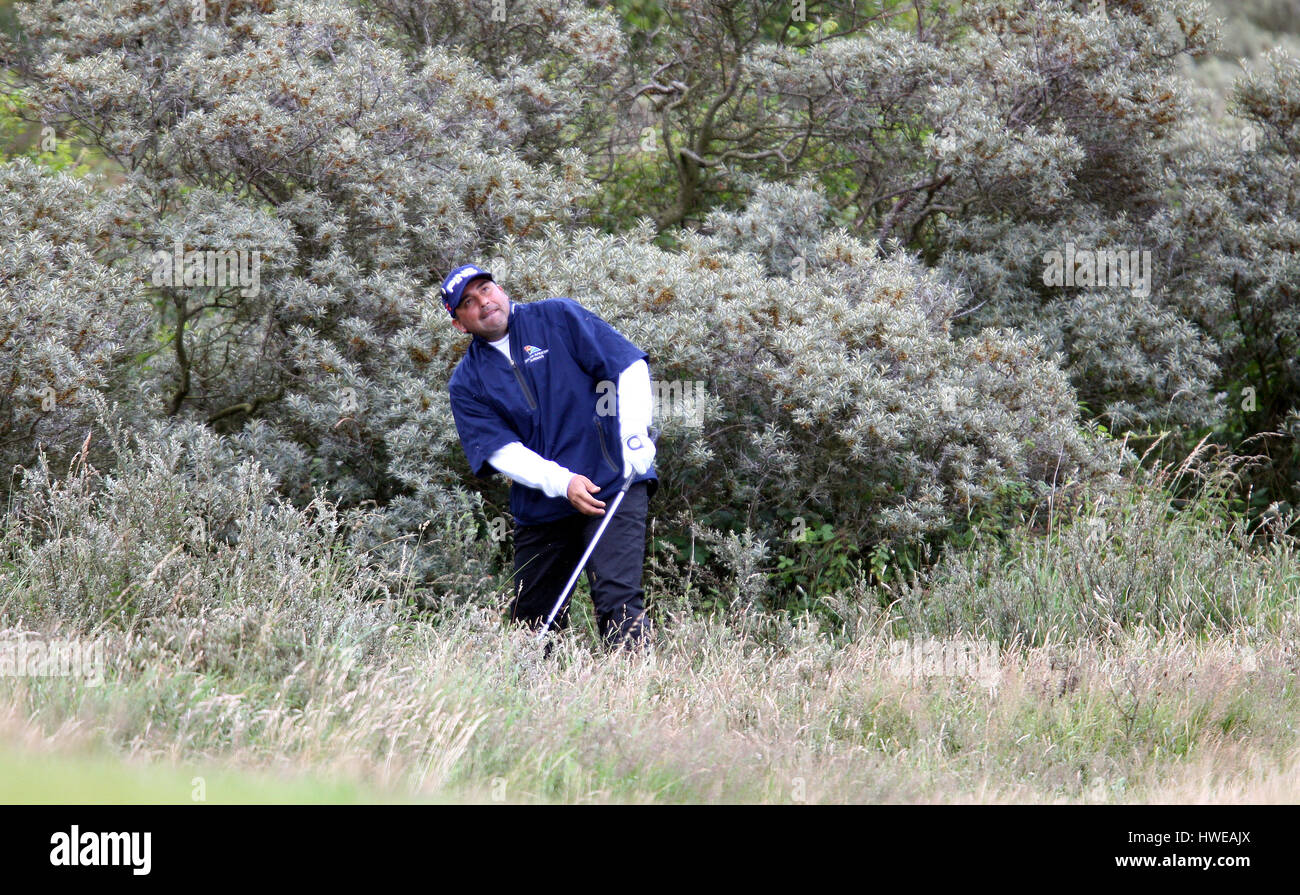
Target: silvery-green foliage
[[381, 170], [996, 109], [743, 559], [556, 59], [444, 539], [179, 527], [1106, 88], [69, 315], [365, 167], [1270, 15], [845, 395], [83, 536], [782, 223], [719, 114], [359, 171], [1238, 217], [1074, 153], [1137, 360], [986, 134]]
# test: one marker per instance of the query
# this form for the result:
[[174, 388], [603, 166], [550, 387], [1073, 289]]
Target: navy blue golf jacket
[[546, 398]]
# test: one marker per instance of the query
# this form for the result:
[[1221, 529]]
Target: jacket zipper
[[519, 376], [600, 436], [523, 385]]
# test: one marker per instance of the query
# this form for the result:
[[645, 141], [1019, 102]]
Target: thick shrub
[[843, 395], [70, 318]]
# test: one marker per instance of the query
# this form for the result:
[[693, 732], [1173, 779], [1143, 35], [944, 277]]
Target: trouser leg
[[545, 556], [614, 570]]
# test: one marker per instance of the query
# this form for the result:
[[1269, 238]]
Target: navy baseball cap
[[454, 286]]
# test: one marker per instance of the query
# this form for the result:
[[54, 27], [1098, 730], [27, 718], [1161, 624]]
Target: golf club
[[609, 514]]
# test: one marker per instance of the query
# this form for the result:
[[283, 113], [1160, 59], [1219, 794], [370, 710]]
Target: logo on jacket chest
[[532, 353]]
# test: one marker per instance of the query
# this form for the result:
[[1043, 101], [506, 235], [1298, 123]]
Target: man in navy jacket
[[531, 400]]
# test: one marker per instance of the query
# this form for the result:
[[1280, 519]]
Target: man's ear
[[459, 326]]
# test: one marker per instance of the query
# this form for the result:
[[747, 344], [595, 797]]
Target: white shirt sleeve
[[634, 400], [531, 469]]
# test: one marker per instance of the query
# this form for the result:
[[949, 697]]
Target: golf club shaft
[[653, 434], [582, 563]]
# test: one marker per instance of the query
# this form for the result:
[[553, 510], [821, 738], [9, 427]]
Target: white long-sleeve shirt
[[532, 470]]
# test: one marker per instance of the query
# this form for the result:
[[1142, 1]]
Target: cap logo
[[455, 281]]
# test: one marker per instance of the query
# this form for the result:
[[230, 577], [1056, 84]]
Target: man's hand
[[581, 491]]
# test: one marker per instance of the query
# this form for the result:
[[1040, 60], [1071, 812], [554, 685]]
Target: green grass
[[28, 777]]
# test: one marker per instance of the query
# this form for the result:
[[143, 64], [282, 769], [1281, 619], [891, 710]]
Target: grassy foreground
[[467, 713], [1134, 655], [31, 776]]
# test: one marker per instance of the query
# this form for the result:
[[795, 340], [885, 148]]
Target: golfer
[[531, 398]]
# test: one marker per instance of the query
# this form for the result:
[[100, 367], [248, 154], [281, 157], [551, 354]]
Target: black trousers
[[546, 554]]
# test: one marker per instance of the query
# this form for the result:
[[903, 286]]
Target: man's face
[[484, 310]]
